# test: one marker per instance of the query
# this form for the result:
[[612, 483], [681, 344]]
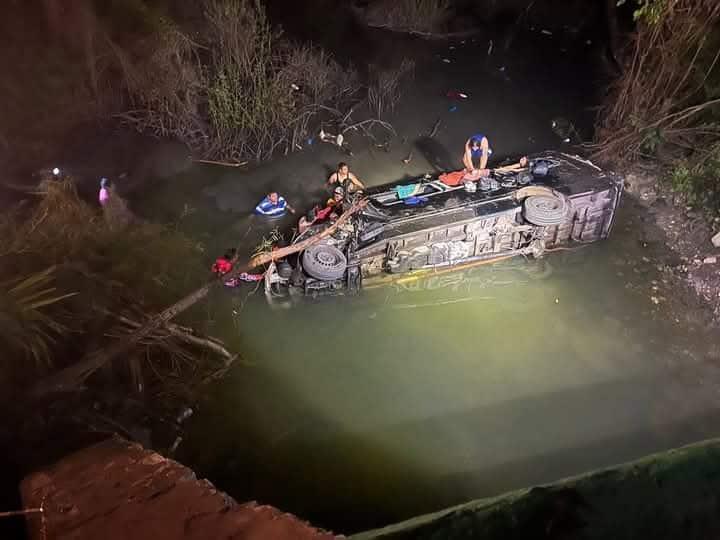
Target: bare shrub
[[164, 80], [385, 90], [263, 93], [663, 99], [421, 16]]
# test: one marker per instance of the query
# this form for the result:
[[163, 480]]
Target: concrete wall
[[670, 495], [118, 490]]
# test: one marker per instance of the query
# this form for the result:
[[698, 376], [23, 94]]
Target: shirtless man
[[344, 178]]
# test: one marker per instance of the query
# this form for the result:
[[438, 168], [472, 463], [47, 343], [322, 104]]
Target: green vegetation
[[73, 281], [666, 104], [698, 181], [237, 91]]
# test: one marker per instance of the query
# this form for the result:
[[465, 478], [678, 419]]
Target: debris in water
[[452, 47], [295, 87], [546, 32], [184, 415], [564, 129], [408, 159], [501, 68], [454, 94], [709, 260], [453, 108], [446, 60], [588, 42], [434, 129], [175, 444], [557, 300], [490, 47]]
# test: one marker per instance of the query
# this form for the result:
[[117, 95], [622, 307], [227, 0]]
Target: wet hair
[[341, 165], [230, 253]]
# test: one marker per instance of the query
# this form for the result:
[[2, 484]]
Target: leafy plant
[[29, 323]]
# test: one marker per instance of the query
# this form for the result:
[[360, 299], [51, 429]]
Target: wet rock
[[716, 240]]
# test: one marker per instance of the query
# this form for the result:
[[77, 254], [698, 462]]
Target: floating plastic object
[[184, 415]]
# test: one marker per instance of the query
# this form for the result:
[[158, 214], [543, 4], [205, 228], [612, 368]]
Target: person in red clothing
[[224, 264]]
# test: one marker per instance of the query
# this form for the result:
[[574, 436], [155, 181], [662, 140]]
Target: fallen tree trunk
[[72, 378]]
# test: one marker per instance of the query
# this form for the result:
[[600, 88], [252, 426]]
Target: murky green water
[[356, 412]]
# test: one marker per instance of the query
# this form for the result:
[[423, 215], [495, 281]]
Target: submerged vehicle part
[[324, 262], [427, 225]]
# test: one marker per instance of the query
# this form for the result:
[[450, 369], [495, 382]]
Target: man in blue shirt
[[273, 205]]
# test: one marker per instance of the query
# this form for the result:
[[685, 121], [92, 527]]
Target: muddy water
[[356, 412]]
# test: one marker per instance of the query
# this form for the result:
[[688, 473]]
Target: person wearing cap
[[477, 152]]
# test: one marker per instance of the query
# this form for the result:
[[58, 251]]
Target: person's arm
[[332, 179], [484, 152], [354, 180], [282, 203], [467, 157]]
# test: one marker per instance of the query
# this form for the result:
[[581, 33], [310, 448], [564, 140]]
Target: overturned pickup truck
[[425, 224]]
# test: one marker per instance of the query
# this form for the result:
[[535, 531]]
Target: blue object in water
[[414, 201], [453, 108], [310, 140]]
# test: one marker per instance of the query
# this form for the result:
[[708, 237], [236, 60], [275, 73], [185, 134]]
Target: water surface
[[360, 411]]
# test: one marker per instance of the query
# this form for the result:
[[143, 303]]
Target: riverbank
[[692, 267]]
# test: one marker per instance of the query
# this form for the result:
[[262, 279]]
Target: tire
[[324, 262], [545, 210]]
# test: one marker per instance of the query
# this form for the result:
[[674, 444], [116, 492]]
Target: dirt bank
[[692, 262]]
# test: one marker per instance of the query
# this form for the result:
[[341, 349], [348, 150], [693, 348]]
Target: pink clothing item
[[104, 196]]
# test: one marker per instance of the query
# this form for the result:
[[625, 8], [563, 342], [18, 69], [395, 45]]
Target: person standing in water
[[273, 205], [344, 178], [477, 152], [104, 194]]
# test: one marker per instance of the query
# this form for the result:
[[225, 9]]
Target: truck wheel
[[324, 262], [544, 210]]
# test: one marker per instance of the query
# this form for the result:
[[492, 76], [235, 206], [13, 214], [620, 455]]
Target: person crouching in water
[[224, 264], [333, 210], [273, 205]]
